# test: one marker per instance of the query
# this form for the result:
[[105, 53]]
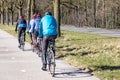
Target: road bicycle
[[22, 41], [51, 56]]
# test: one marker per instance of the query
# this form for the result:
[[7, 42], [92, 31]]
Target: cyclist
[[21, 27], [31, 26], [35, 32], [47, 30]]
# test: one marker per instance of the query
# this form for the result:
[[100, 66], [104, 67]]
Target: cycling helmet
[[21, 16], [39, 15], [48, 13], [33, 16]]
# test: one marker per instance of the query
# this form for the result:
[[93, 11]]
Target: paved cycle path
[[16, 64], [100, 31]]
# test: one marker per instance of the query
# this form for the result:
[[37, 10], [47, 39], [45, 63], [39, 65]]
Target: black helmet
[[48, 13]]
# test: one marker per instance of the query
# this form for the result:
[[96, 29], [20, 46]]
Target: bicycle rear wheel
[[33, 47], [22, 41], [52, 64], [22, 47], [39, 53], [39, 50]]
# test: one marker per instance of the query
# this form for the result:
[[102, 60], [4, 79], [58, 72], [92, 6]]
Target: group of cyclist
[[40, 27]]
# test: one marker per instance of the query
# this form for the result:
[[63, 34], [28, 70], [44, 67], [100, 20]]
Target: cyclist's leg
[[54, 37], [39, 43], [24, 30], [19, 35], [30, 35], [39, 46], [44, 50], [35, 38]]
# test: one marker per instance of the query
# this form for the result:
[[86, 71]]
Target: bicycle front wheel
[[52, 64]]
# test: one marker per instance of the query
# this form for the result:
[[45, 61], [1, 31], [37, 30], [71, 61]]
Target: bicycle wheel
[[52, 64], [39, 53], [39, 49], [22, 42], [33, 47], [22, 47]]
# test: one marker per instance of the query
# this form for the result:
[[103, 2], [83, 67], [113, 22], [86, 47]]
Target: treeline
[[90, 13], [10, 10]]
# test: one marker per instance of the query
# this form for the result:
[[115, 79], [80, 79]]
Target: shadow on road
[[28, 50], [75, 73], [107, 67]]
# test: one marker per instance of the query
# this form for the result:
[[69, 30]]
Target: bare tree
[[94, 12], [2, 2], [86, 19], [19, 6], [12, 9], [33, 7], [29, 11]]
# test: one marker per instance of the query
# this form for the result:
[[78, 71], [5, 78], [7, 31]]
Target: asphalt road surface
[[100, 31], [16, 64]]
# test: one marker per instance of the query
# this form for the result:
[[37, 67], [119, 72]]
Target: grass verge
[[97, 54]]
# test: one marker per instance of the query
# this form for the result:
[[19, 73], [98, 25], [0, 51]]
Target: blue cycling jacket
[[37, 23], [21, 23], [48, 26], [31, 25]]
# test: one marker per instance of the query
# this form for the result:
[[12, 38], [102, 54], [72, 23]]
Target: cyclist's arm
[[26, 25], [16, 26], [40, 34]]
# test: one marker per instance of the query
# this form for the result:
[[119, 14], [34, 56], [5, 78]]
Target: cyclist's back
[[49, 26], [21, 22], [36, 28], [31, 26], [37, 22]]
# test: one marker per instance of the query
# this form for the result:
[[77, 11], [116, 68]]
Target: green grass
[[97, 54]]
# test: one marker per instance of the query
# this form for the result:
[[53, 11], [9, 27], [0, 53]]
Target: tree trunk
[[7, 17], [94, 14], [57, 14], [12, 17], [104, 19], [33, 7], [2, 12], [29, 11], [20, 11], [118, 13], [86, 19], [2, 17]]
